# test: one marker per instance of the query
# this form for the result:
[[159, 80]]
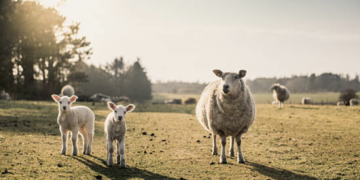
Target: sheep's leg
[[85, 140], [223, 144], [240, 157], [64, 140], [214, 148], [74, 139], [90, 140], [110, 151], [231, 152], [121, 151]]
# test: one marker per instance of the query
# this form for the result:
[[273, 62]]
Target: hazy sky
[[187, 39]]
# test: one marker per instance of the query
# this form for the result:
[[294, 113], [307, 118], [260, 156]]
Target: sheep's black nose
[[120, 118], [226, 86], [64, 107]]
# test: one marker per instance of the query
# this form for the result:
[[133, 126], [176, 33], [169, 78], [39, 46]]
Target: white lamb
[[115, 129], [227, 108], [75, 119]]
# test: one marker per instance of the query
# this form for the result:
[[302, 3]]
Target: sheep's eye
[[236, 77], [125, 112], [115, 111], [68, 102], [60, 102]]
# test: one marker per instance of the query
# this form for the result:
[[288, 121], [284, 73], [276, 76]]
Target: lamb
[[115, 129], [306, 100], [75, 119], [67, 91], [354, 102], [280, 94], [4, 95], [227, 108]]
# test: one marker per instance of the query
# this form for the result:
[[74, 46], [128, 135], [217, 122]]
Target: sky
[[185, 40]]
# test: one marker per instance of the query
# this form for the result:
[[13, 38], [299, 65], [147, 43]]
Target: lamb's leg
[[74, 139], [223, 144], [64, 140], [110, 151], [214, 148], [85, 140], [118, 152], [231, 152], [90, 140], [121, 151], [240, 157]]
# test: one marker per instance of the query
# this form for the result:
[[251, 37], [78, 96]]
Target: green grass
[[297, 142]]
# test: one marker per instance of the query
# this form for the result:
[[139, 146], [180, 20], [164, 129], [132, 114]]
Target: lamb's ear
[[130, 107], [242, 73], [73, 98], [218, 73], [111, 105], [55, 97]]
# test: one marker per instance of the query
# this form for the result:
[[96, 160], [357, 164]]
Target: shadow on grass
[[116, 172], [276, 173], [304, 107]]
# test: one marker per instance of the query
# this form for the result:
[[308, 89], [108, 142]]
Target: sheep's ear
[[55, 97], [111, 105], [73, 98], [218, 73], [130, 107], [242, 73]]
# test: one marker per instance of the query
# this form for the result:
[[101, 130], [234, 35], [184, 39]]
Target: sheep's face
[[64, 102], [120, 111], [231, 82], [275, 88]]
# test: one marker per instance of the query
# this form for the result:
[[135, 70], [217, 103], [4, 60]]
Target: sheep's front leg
[[64, 140], [214, 148], [121, 153], [240, 157], [231, 152], [90, 140], [110, 151], [74, 139], [223, 144]]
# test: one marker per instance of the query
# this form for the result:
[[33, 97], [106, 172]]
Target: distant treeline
[[326, 82]]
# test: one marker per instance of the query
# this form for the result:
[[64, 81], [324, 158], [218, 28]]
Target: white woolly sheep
[[75, 119], [4, 95], [280, 94], [227, 108], [340, 103], [67, 91], [115, 129], [354, 102], [306, 100]]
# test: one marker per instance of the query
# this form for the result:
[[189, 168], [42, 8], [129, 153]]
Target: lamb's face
[[120, 111], [231, 82], [64, 102]]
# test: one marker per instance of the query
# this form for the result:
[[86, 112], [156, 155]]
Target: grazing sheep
[[67, 91], [354, 102], [280, 94], [227, 108], [190, 101], [75, 119], [306, 100], [115, 129], [4, 95], [340, 103]]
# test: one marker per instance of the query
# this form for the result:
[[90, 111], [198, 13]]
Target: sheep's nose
[[120, 118], [226, 86], [64, 107]]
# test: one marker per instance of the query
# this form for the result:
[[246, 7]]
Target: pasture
[[167, 142]]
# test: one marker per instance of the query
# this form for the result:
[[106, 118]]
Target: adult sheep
[[227, 108], [280, 93], [354, 102], [306, 100], [67, 91]]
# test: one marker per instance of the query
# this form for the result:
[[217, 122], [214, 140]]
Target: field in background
[[297, 142], [260, 98]]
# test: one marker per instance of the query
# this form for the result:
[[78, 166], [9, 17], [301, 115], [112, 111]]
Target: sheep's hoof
[[231, 154], [241, 162], [223, 162], [118, 163], [74, 154]]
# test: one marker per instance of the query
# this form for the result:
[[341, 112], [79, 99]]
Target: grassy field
[[297, 142]]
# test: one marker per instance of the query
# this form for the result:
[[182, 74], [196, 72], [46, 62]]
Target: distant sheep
[[173, 101], [340, 103], [190, 101], [227, 108], [354, 102], [280, 94], [67, 91], [115, 129], [4, 95], [306, 100], [75, 119]]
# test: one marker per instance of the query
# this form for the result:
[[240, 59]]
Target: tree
[[347, 95]]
